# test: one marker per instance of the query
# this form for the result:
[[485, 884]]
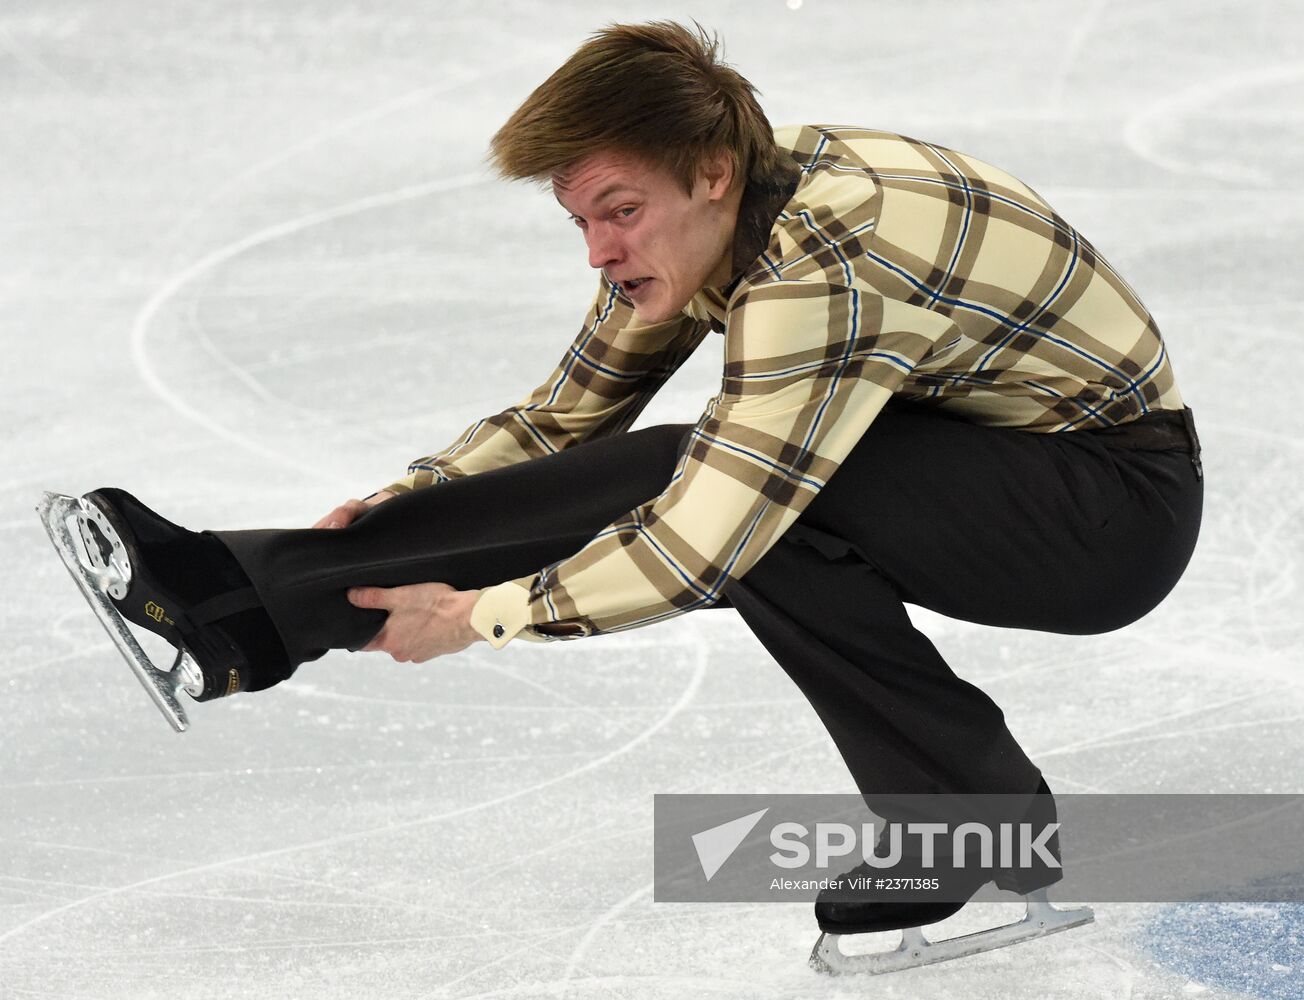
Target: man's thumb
[[366, 597]]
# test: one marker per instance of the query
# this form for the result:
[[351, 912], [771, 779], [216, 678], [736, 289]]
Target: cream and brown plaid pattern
[[896, 267]]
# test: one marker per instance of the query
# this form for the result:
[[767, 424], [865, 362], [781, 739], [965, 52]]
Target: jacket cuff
[[417, 479], [502, 612], [405, 485]]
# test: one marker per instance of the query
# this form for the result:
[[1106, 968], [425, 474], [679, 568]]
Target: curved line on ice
[[169, 288], [1068, 57], [685, 697], [578, 954], [1140, 131], [318, 138], [591, 934]]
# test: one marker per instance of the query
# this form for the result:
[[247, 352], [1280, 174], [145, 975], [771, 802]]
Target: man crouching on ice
[[934, 392]]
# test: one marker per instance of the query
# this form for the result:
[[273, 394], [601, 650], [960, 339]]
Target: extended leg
[[468, 533]]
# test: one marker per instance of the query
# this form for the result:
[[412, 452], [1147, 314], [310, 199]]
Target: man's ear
[[718, 172]]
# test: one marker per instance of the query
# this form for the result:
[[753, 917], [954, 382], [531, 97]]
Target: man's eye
[[627, 211], [577, 220]]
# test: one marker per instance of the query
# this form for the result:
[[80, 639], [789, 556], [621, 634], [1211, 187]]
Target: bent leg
[[999, 527]]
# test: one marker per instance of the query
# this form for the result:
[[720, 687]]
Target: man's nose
[[604, 247]]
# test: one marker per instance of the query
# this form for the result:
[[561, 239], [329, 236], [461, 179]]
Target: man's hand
[[344, 515], [425, 619]]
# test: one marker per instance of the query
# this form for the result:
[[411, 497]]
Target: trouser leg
[[902, 720], [469, 533], [1056, 533]]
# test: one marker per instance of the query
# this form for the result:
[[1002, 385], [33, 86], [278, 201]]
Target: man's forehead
[[601, 174]]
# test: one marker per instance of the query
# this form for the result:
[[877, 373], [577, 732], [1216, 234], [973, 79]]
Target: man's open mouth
[[632, 285]]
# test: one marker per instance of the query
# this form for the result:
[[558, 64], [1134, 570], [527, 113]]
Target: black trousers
[[1078, 533]]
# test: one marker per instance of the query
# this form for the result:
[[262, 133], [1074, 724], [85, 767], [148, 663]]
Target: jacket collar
[[763, 199]]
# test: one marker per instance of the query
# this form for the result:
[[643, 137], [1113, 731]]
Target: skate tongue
[[220, 606]]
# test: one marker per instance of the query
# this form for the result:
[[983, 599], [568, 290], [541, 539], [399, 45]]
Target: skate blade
[[58, 513], [915, 950]]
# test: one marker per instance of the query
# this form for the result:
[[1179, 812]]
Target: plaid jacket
[[880, 265]]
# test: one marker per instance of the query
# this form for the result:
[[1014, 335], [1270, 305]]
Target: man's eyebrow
[[611, 189], [606, 192]]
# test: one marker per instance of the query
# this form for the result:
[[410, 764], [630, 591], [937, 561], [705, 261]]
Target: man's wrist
[[469, 631]]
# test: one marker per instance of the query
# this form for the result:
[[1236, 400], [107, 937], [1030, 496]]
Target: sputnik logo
[[716, 845]]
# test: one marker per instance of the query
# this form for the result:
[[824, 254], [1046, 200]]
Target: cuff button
[[498, 630]]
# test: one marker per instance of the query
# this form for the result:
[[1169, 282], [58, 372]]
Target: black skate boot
[[866, 908], [186, 587], [857, 909]]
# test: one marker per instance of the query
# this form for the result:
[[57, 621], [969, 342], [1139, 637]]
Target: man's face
[[660, 245]]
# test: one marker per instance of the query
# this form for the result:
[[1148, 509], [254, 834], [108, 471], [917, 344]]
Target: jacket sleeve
[[611, 370], [808, 366]]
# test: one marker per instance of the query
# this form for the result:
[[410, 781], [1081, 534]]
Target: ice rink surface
[[227, 287]]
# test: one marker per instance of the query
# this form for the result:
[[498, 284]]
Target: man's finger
[[343, 515], [380, 643], [337, 518], [377, 643], [369, 597]]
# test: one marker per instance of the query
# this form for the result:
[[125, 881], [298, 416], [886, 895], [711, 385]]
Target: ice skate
[[843, 913], [132, 566], [1040, 919]]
